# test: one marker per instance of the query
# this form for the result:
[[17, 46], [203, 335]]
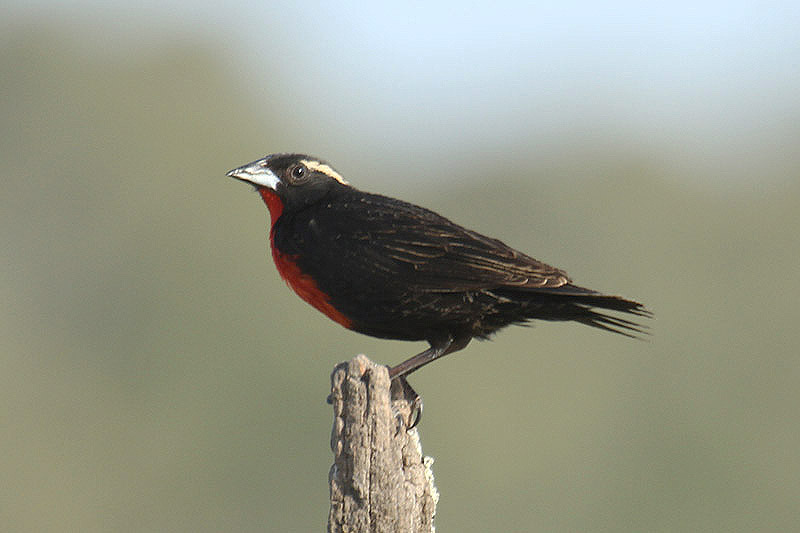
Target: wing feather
[[427, 251]]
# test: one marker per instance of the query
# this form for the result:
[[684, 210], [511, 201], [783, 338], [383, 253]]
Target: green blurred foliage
[[158, 376]]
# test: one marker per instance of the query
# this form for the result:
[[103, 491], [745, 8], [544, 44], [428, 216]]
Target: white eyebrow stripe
[[325, 169]]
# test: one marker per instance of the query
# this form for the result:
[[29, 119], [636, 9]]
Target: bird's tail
[[571, 302]]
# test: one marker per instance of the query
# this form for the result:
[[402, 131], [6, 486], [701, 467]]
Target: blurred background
[[157, 375]]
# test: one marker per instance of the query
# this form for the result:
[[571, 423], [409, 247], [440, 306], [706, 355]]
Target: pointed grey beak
[[255, 173]]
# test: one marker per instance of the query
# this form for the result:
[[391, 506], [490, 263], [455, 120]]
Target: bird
[[390, 269]]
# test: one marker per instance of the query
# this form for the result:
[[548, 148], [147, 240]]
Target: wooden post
[[379, 481]]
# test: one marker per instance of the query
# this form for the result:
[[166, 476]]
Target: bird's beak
[[257, 174]]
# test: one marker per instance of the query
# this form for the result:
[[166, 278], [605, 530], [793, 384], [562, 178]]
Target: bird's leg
[[411, 364], [439, 347]]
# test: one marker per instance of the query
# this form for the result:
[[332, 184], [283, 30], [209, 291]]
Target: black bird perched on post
[[391, 269]]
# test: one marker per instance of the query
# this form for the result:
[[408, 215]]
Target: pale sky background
[[714, 86]]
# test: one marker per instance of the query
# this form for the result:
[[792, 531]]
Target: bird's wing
[[404, 243]]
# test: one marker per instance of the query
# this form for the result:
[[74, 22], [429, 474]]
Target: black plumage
[[396, 270]]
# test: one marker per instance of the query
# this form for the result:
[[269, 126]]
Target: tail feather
[[585, 306], [613, 324]]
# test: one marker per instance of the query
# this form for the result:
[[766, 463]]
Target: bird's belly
[[420, 315]]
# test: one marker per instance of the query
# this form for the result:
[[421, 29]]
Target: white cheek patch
[[325, 169]]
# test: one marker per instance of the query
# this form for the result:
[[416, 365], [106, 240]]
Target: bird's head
[[289, 181]]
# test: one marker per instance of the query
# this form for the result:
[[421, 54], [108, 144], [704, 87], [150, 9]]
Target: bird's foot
[[406, 403]]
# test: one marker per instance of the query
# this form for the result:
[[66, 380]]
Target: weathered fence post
[[379, 481]]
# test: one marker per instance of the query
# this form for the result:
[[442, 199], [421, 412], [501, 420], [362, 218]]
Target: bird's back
[[401, 271]]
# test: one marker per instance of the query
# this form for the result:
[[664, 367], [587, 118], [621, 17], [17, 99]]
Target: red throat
[[274, 203], [301, 283]]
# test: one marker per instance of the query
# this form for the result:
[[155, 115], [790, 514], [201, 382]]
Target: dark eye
[[298, 172]]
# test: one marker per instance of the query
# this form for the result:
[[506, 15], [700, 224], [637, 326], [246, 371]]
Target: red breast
[[301, 283]]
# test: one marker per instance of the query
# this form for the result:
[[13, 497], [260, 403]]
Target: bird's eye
[[298, 172]]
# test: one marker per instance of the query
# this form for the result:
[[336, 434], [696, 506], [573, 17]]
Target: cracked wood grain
[[380, 481]]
